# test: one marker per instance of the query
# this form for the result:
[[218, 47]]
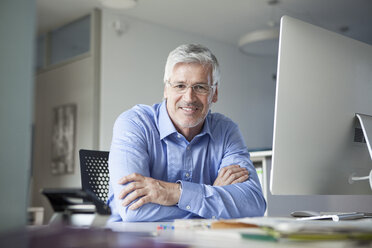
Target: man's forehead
[[194, 65], [197, 72]]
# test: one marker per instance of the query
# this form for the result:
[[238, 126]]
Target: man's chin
[[189, 124]]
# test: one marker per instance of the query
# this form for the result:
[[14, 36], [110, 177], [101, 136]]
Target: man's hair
[[192, 53]]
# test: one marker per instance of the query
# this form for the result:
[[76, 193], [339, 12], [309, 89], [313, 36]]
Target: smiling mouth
[[189, 109]]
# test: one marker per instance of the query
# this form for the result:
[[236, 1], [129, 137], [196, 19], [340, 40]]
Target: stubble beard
[[192, 124]]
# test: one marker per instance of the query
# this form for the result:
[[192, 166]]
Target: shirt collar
[[206, 127], [167, 128]]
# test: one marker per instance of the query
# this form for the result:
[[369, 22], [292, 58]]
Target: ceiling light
[[119, 4], [263, 42], [260, 42]]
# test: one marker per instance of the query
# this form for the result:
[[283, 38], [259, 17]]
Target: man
[[176, 159]]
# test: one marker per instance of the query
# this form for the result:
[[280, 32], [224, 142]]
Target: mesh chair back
[[94, 172]]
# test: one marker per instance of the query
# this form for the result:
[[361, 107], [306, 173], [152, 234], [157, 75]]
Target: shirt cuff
[[191, 197]]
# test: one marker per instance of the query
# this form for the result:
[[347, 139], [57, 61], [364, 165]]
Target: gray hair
[[192, 53]]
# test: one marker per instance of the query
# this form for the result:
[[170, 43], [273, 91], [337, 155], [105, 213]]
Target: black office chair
[[94, 193], [95, 176]]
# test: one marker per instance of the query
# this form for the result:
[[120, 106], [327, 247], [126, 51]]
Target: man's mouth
[[189, 109]]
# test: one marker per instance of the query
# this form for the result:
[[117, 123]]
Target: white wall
[[70, 83], [132, 73]]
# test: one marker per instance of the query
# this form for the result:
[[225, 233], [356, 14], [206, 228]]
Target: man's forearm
[[231, 201], [140, 190], [153, 212]]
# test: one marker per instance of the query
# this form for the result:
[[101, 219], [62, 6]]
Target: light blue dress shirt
[[145, 141]]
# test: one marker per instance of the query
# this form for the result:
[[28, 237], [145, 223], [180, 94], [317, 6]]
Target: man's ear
[[215, 96]]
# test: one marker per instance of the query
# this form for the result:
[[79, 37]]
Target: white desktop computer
[[323, 80]]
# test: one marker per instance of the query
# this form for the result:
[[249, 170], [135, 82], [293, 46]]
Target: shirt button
[[188, 148], [187, 174], [188, 207], [179, 135]]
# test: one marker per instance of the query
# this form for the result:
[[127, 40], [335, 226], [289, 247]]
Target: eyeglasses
[[200, 89]]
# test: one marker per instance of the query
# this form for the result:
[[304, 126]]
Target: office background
[[123, 68]]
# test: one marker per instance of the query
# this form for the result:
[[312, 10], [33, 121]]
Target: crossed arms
[[149, 190], [142, 196]]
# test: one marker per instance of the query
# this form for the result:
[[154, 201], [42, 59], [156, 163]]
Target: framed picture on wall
[[63, 139]]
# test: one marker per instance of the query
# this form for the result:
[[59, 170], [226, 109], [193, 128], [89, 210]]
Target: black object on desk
[[94, 192], [62, 200], [77, 207]]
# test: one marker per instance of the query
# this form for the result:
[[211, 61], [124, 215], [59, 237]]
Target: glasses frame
[[183, 91]]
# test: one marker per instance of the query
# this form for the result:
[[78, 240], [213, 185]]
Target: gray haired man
[[176, 159]]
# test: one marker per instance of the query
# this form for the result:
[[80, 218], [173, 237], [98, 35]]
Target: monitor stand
[[365, 122]]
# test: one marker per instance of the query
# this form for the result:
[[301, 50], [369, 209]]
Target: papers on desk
[[269, 228], [193, 224]]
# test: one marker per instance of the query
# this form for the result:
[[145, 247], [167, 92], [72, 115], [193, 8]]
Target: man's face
[[188, 110]]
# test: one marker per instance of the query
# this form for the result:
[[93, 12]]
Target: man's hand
[[231, 174], [147, 189]]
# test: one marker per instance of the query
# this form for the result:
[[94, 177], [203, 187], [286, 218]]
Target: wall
[[69, 83], [16, 91], [132, 68]]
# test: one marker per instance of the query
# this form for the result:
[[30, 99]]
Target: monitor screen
[[323, 80]]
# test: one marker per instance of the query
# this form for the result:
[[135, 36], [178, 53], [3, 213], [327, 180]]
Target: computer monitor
[[323, 80]]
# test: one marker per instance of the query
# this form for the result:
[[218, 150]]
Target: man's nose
[[189, 95]]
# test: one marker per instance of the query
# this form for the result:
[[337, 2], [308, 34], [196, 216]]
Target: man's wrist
[[179, 185], [179, 191], [173, 194]]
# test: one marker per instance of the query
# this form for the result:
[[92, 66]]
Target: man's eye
[[200, 87], [180, 86]]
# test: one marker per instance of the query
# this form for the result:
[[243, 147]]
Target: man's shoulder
[[140, 114], [218, 120]]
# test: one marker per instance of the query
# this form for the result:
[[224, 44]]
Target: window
[[64, 43]]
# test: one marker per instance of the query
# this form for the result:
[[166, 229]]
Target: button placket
[[188, 163]]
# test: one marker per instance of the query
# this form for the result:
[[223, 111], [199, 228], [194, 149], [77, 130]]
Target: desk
[[215, 238], [138, 235]]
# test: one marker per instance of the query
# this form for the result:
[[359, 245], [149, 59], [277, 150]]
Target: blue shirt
[[145, 141]]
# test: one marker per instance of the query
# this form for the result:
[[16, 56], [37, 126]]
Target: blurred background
[[94, 59]]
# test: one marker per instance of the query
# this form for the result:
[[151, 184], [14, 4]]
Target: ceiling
[[224, 20]]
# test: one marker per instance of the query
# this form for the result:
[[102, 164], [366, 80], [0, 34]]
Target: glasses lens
[[201, 88], [197, 88]]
